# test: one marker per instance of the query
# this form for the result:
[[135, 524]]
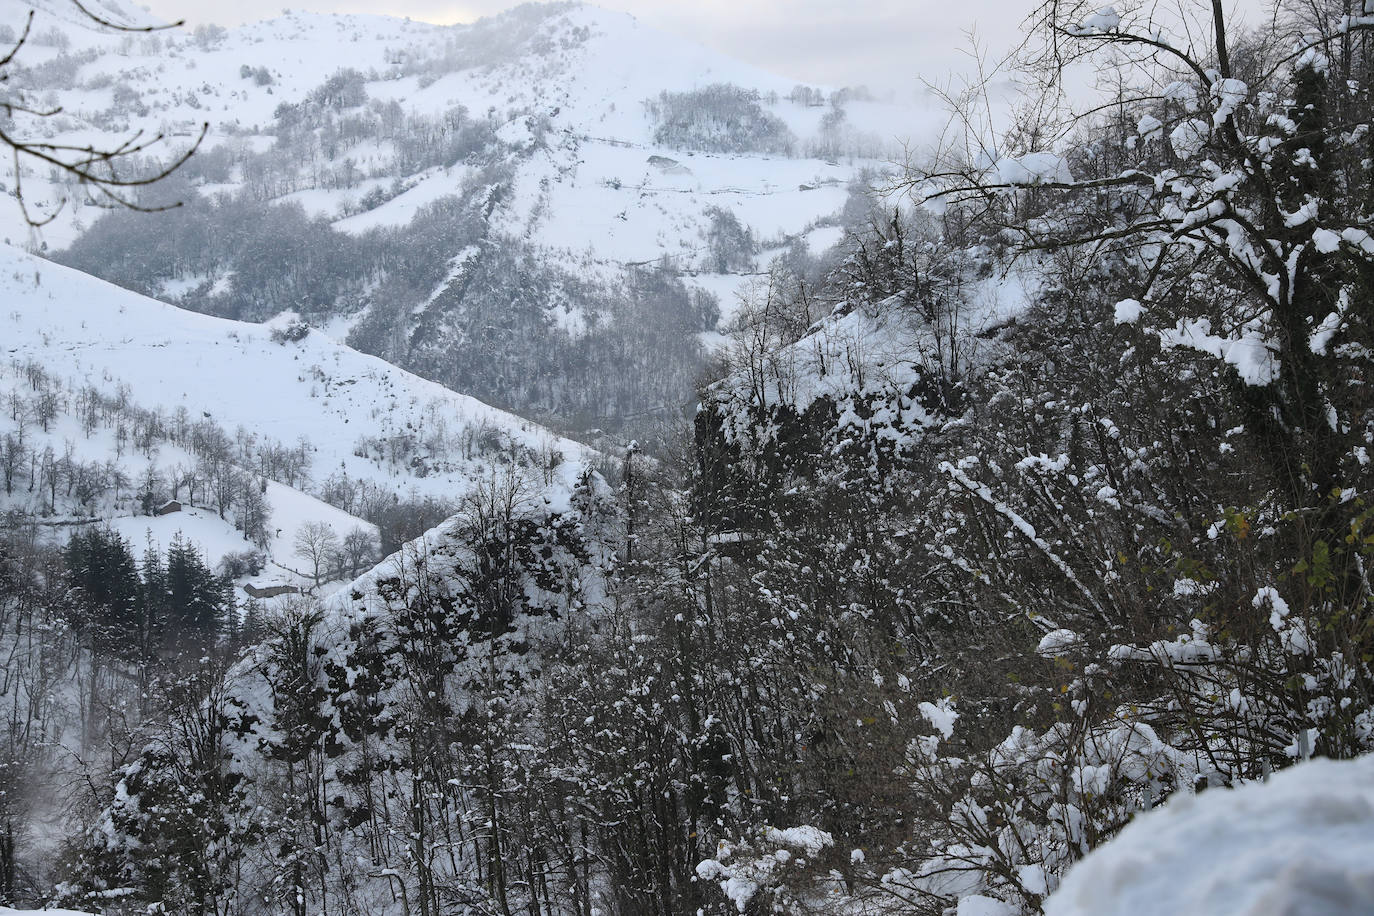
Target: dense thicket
[[1091, 552], [720, 118]]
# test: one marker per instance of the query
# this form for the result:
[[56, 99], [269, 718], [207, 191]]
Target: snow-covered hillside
[[357, 421], [584, 70], [567, 85], [519, 208]]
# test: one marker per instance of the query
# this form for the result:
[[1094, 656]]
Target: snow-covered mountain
[[557, 190], [582, 73], [98, 378]]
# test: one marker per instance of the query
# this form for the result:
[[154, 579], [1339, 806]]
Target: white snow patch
[[1104, 20], [1229, 94], [1325, 240], [1188, 137], [941, 715], [978, 905], [1058, 642], [1301, 843], [1249, 354], [811, 840], [1128, 311]]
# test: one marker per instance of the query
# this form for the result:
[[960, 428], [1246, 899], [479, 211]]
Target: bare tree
[[13, 453], [109, 172], [317, 543], [359, 549]]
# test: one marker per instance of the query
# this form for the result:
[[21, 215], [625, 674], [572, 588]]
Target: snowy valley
[[545, 466]]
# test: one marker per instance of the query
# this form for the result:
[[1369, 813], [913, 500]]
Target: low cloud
[[885, 44]]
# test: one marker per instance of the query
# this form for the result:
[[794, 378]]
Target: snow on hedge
[[1301, 843], [743, 869]]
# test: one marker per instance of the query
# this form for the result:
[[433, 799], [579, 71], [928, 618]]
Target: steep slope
[[114, 404], [336, 710], [350, 427]]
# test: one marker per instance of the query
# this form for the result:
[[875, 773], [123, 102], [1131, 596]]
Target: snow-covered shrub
[[721, 118], [208, 35], [289, 329], [345, 89], [236, 564], [758, 868], [260, 76]]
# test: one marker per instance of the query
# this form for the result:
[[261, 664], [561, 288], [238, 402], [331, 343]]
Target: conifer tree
[[197, 598]]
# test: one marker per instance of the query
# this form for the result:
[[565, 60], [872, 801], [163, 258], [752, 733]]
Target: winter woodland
[[545, 467]]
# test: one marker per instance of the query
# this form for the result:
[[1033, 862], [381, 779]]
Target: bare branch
[[23, 39], [120, 27], [94, 168]]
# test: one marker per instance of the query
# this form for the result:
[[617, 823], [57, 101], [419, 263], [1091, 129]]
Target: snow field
[[584, 188]]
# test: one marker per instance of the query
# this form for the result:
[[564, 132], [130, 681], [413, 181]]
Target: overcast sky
[[885, 44]]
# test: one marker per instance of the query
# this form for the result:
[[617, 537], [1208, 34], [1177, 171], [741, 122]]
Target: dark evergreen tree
[[198, 599], [156, 603], [104, 588]]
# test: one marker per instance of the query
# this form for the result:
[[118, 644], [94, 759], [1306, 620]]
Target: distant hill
[[547, 208]]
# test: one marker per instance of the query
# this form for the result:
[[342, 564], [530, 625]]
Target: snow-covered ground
[[569, 85], [1302, 843], [81, 328], [359, 415]]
